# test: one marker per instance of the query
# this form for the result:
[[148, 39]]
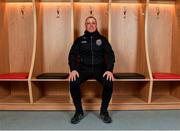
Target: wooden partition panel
[[37, 56]]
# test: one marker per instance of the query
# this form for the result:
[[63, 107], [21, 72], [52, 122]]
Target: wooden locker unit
[[163, 42], [127, 37], [53, 42], [130, 92], [16, 44], [48, 92], [36, 36], [15, 92], [166, 92]]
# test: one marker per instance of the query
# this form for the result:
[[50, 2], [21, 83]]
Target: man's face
[[91, 25]]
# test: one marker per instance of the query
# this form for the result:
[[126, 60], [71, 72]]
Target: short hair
[[90, 17]]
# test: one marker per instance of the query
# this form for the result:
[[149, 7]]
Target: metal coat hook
[[124, 12], [22, 11], [143, 10], [91, 12], [57, 13], [107, 11], [158, 12]]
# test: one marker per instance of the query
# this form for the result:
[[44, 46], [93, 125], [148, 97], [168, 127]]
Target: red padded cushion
[[165, 76], [14, 76]]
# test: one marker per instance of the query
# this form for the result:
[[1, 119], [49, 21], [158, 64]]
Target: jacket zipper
[[92, 55]]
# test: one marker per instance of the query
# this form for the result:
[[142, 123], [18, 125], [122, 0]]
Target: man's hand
[[72, 75], [109, 75]]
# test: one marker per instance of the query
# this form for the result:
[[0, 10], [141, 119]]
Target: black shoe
[[77, 118], [104, 115]]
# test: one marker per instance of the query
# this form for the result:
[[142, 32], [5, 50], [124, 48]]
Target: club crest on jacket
[[98, 42]]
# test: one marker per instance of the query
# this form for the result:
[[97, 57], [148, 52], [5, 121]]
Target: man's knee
[[107, 83], [75, 84]]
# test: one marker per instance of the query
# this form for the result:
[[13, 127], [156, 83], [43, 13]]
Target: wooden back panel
[[4, 89], [127, 38], [176, 39], [20, 35], [55, 88], [99, 11], [53, 37], [19, 89], [4, 47], [160, 37]]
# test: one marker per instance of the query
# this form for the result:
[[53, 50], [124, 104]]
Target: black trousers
[[76, 92]]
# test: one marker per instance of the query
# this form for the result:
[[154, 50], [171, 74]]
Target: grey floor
[[60, 120]]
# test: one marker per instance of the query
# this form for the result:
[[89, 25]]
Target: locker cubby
[[127, 37], [54, 37], [16, 36], [166, 92], [48, 92], [15, 92], [130, 92], [163, 39], [163, 42], [83, 9]]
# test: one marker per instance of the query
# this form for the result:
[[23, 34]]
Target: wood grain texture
[[127, 38], [20, 36], [99, 11], [4, 47], [160, 37], [37, 60], [53, 39], [4, 89], [133, 90], [52, 90], [14, 92], [175, 44]]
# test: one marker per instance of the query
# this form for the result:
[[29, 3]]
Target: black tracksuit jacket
[[94, 53]]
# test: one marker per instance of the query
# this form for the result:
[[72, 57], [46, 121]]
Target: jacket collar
[[86, 33]]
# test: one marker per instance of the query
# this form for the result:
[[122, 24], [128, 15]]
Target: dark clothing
[[76, 92], [94, 52], [95, 57]]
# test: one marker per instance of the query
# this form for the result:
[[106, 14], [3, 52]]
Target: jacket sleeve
[[73, 55], [109, 55]]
